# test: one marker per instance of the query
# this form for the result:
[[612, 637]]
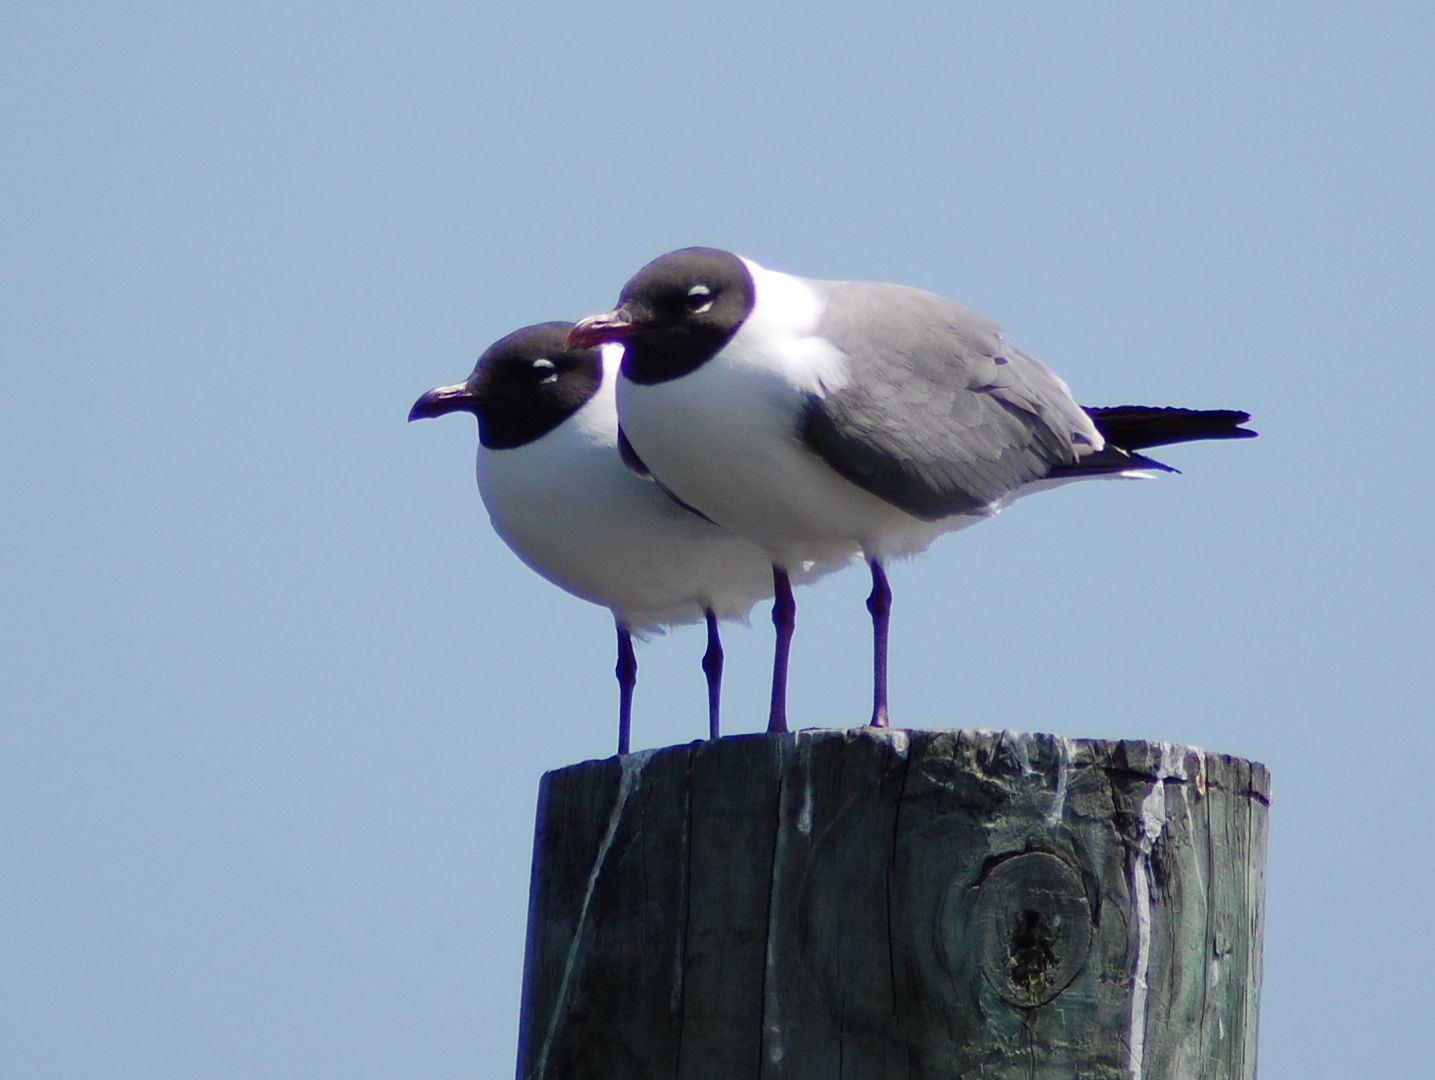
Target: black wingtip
[[1137, 427]]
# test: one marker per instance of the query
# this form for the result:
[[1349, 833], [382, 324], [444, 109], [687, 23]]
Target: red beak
[[442, 400], [615, 325]]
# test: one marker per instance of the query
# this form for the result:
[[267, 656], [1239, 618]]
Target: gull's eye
[[700, 299], [545, 367]]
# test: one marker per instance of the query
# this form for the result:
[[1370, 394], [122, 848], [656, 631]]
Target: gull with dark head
[[821, 419], [560, 495]]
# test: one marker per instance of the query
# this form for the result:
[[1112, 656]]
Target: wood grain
[[868, 904]]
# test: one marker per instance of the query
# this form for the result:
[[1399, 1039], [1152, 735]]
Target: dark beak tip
[[441, 401], [422, 409]]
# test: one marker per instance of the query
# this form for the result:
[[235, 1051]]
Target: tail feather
[[1129, 428]]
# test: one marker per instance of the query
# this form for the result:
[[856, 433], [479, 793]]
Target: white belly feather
[[573, 512]]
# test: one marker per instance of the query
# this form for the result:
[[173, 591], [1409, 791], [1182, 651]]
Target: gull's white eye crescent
[[700, 299], [546, 368]]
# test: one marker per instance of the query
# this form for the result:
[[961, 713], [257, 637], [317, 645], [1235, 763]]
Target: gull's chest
[[727, 439]]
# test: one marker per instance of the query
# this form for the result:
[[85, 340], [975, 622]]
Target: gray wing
[[940, 416]]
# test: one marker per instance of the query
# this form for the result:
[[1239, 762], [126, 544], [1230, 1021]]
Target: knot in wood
[[1032, 927]]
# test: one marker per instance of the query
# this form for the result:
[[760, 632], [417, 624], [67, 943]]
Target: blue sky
[[274, 700]]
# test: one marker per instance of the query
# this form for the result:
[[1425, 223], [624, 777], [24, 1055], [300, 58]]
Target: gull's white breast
[[571, 510]]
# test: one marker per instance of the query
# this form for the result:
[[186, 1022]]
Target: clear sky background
[[274, 700]]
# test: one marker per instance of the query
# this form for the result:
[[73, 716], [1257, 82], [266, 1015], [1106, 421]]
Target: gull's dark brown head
[[674, 314], [523, 386]]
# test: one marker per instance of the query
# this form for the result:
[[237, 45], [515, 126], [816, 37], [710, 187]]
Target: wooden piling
[[873, 904]]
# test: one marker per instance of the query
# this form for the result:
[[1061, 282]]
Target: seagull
[[561, 496], [831, 419]]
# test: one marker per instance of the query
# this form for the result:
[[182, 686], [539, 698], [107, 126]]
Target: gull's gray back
[[940, 415]]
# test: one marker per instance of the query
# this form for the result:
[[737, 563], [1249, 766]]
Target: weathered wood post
[[872, 904]]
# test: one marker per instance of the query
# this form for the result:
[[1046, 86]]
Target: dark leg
[[627, 672], [880, 605], [784, 618], [712, 668]]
